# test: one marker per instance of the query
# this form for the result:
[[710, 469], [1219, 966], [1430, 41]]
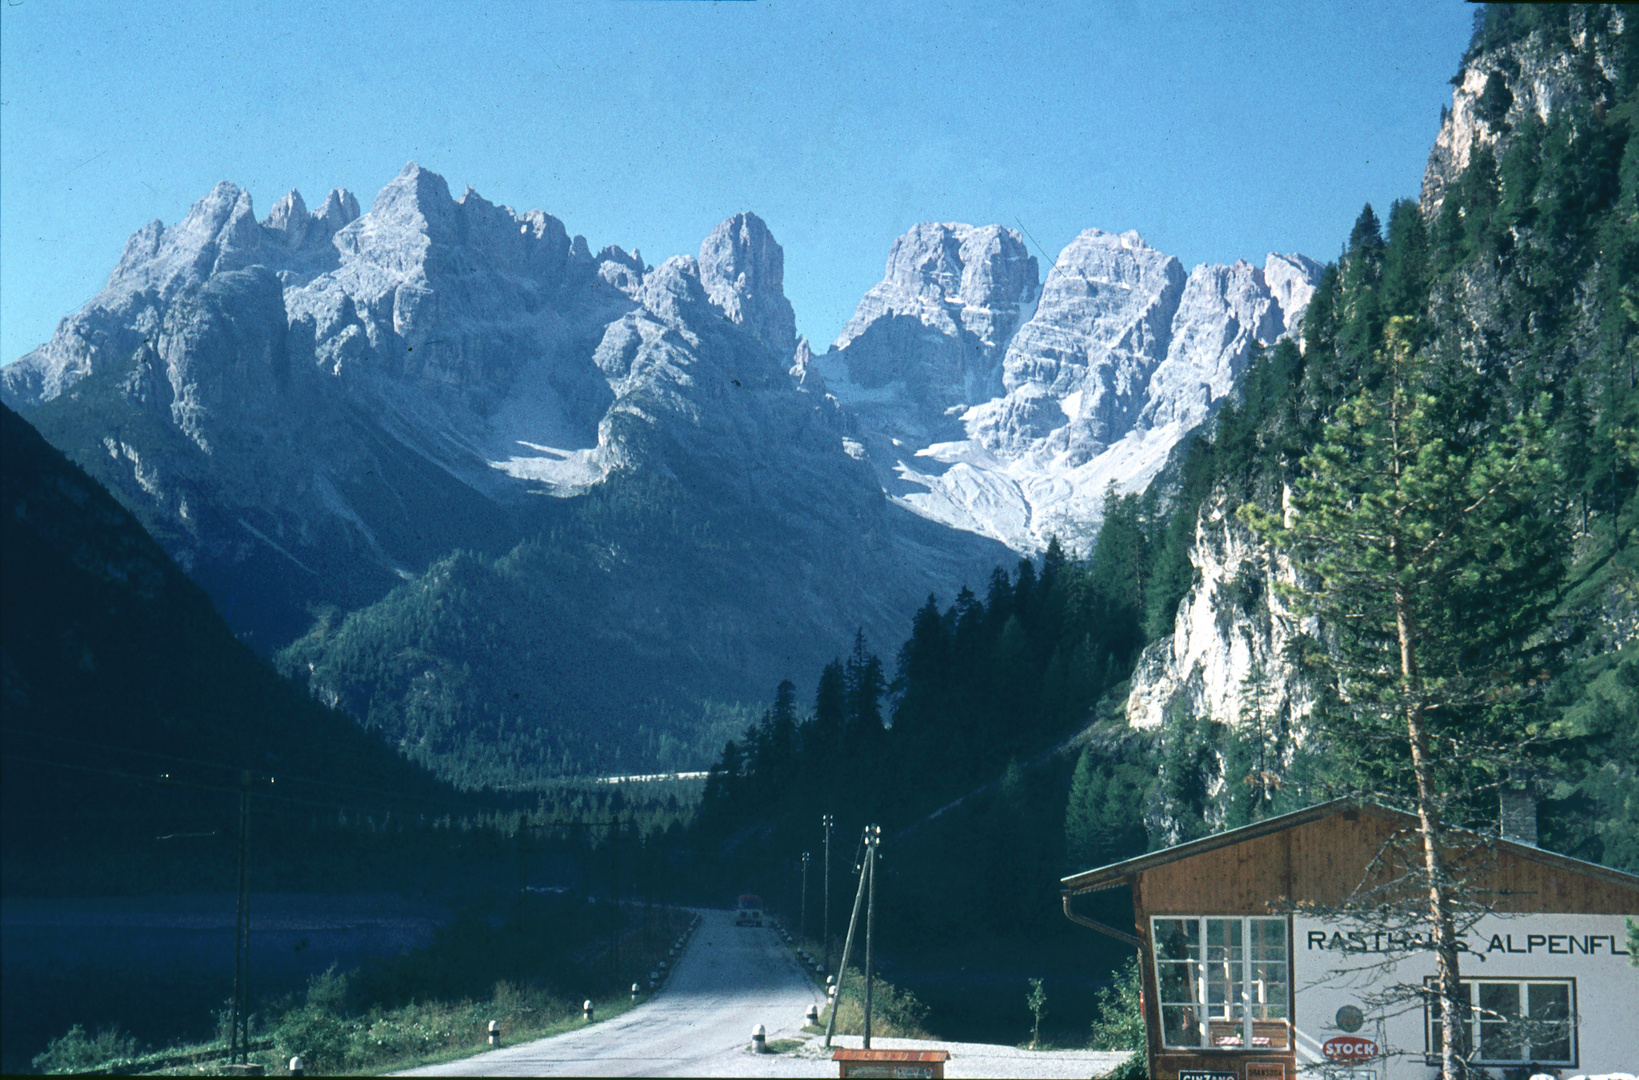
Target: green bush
[[895, 1013], [77, 1052], [1120, 1023], [318, 1030]]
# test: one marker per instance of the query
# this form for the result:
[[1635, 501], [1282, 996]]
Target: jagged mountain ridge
[[312, 409], [308, 415], [1007, 409]]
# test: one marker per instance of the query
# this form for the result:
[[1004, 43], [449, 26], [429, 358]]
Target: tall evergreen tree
[[1432, 567]]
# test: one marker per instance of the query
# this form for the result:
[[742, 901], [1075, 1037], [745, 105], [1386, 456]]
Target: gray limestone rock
[[1012, 421], [950, 299], [742, 268]]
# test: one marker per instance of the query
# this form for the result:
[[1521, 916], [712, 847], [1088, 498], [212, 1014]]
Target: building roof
[[1116, 874]]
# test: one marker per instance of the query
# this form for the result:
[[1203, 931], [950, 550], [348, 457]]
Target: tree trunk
[[1447, 975]]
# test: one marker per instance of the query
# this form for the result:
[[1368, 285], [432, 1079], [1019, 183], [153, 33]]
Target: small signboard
[[1206, 1074], [891, 1064], [1265, 1070], [1349, 1049]]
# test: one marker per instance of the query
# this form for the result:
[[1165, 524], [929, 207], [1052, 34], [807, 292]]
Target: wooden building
[[1254, 969]]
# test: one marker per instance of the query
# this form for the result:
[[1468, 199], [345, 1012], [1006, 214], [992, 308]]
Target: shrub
[[1120, 1023], [318, 1030], [895, 1013], [77, 1052]]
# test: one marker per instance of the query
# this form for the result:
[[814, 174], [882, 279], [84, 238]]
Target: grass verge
[[426, 1006]]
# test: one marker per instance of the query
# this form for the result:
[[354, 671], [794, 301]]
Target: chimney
[[1518, 814]]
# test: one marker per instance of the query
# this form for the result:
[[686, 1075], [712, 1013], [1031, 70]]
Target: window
[[1222, 981], [1512, 1021]]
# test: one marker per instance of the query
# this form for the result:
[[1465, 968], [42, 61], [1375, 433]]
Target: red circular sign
[[1349, 1048]]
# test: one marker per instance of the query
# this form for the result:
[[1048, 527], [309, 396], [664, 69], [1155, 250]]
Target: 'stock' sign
[[1349, 1048]]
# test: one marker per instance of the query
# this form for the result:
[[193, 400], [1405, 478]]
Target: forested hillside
[[131, 712], [1502, 309]]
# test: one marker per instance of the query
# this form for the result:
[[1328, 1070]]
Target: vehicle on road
[[749, 910]]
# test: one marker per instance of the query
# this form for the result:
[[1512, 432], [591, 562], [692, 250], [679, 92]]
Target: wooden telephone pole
[[239, 1041]]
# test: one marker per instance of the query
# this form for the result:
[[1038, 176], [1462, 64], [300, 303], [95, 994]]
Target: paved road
[[730, 979]]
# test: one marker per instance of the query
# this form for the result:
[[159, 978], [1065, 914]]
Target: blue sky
[[1218, 131]]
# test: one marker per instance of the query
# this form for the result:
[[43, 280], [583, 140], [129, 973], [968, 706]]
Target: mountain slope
[[113, 661]]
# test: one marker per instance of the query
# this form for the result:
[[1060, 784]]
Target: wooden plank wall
[[1324, 861]]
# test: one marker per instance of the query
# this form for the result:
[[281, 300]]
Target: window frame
[[1205, 983], [1473, 1021]]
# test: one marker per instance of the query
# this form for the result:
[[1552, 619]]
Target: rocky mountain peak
[[415, 196], [288, 211], [954, 278], [742, 268], [220, 233], [1291, 281], [997, 407], [290, 220], [340, 209]]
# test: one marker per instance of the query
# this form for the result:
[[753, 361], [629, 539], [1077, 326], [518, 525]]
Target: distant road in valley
[[730, 979]]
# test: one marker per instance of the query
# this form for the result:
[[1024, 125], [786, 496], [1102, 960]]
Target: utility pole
[[802, 926], [847, 951], [239, 1041], [828, 821], [873, 838]]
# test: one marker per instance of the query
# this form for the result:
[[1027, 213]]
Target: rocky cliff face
[[1498, 88], [994, 409], [311, 408], [1227, 656]]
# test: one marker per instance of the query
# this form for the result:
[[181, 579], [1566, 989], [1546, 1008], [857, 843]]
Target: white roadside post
[[759, 1040], [495, 1033]]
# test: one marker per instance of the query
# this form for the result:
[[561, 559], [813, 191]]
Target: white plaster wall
[[1331, 970]]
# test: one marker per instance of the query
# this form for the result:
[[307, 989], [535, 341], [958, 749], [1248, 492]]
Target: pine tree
[[1100, 826], [1432, 568], [863, 687]]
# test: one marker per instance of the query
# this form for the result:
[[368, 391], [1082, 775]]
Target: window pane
[[1178, 975], [1550, 1012], [1268, 939], [1499, 1022], [1226, 981], [1465, 994], [1177, 939], [1268, 976], [1178, 983], [1180, 1026]]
